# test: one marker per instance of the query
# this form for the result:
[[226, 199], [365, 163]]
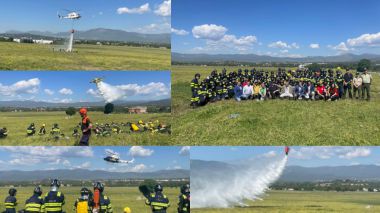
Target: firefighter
[[194, 89], [42, 130], [84, 204], [3, 132], [85, 127], [35, 204], [31, 130], [157, 201], [54, 200], [11, 201], [184, 199], [55, 131], [104, 201]]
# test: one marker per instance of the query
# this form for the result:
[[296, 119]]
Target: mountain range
[[303, 174], [100, 34], [84, 174], [39, 104], [254, 58]]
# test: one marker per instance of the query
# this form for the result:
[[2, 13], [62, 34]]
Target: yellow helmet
[[127, 210], [140, 122], [43, 125]]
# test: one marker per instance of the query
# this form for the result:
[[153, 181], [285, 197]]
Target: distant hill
[[39, 104], [83, 174], [253, 58], [303, 174], [97, 34]]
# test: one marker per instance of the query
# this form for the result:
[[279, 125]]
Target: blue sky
[[147, 159], [311, 156], [290, 26], [26, 15], [69, 86]]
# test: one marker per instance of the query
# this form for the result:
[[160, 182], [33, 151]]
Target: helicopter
[[114, 157], [96, 80], [70, 15]]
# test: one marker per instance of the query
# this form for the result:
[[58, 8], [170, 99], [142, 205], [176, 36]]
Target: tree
[[108, 108], [364, 63], [70, 111]]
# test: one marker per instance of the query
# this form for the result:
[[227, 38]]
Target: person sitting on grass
[[273, 91], [238, 91], [333, 93], [247, 91], [3, 132], [286, 91], [309, 90], [263, 92], [256, 91], [299, 91], [320, 92]]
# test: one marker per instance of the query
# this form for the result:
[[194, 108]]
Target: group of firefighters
[[90, 202], [87, 127], [301, 84]]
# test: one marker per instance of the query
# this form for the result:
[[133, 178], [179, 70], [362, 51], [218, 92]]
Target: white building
[[42, 41]]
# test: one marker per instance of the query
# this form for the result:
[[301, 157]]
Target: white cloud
[[341, 47], [84, 165], [209, 31], [155, 28], [139, 10], [112, 93], [139, 151], [314, 46], [138, 168], [284, 51], [30, 86], [283, 45], [327, 152], [179, 32], [49, 151], [66, 91], [365, 40], [49, 92], [242, 41], [185, 150], [355, 153], [270, 154], [164, 9]]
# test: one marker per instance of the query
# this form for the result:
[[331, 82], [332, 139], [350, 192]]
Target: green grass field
[[17, 123], [14, 56], [289, 202], [120, 198], [274, 122]]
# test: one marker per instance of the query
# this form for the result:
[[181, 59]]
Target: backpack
[[82, 206]]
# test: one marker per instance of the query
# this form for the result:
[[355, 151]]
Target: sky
[[69, 86], [306, 156], [147, 159], [148, 16], [293, 28]]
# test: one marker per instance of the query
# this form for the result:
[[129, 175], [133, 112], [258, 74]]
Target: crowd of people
[[90, 201], [301, 84], [85, 128]]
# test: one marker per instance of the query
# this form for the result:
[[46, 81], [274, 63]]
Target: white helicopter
[[74, 15], [114, 157]]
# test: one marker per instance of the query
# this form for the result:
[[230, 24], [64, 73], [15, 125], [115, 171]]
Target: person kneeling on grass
[[286, 91], [333, 93], [263, 92], [238, 90], [247, 91], [3, 132], [321, 92]]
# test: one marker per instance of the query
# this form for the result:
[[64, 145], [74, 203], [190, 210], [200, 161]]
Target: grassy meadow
[[302, 202], [273, 122], [18, 122], [15, 56], [120, 197]]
